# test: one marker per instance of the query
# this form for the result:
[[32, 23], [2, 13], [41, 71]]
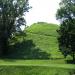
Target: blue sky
[[42, 10]]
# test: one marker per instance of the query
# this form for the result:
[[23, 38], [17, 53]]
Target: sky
[[42, 11]]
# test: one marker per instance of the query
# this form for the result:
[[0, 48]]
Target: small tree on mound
[[11, 18], [66, 15]]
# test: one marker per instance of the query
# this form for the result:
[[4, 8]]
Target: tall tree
[[11, 18], [66, 15]]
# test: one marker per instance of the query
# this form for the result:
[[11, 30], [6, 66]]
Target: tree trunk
[[4, 46]]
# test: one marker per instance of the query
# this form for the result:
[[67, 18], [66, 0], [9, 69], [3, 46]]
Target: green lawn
[[42, 63], [37, 53], [34, 67]]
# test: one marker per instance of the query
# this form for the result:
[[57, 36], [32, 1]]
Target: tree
[[11, 18], [66, 39]]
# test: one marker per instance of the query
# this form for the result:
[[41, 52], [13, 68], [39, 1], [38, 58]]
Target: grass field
[[37, 53], [34, 70]]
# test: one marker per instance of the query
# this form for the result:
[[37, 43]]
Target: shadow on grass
[[27, 50], [70, 61], [72, 72], [56, 58]]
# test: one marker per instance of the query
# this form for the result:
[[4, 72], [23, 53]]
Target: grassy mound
[[44, 36], [40, 42], [43, 29]]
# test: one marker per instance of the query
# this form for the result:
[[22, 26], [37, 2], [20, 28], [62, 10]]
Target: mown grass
[[48, 63], [31, 67]]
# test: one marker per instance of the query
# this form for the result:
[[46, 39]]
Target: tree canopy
[[11, 18], [66, 15]]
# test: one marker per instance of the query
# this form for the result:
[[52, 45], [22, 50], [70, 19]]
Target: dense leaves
[[11, 18], [66, 15]]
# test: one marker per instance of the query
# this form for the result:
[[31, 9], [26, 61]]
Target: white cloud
[[42, 10]]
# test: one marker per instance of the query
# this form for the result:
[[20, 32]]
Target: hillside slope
[[43, 28]]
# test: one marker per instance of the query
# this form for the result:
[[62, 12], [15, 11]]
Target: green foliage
[[11, 18], [66, 14]]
